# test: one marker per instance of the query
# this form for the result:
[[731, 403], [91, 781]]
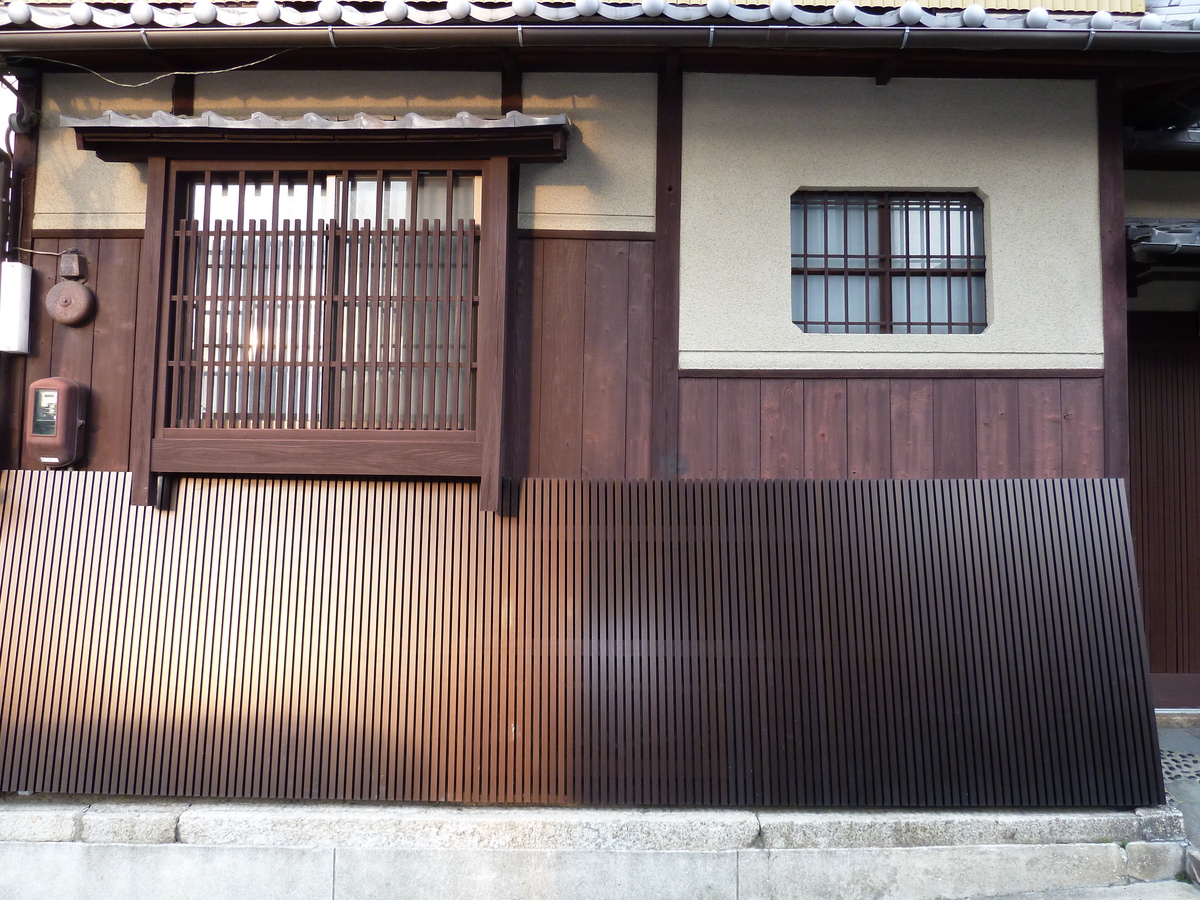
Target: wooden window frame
[[880, 264], [495, 152], [302, 451]]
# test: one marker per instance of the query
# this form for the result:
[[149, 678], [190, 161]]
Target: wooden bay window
[[340, 313]]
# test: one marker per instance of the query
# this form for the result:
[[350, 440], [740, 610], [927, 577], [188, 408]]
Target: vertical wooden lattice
[[786, 643], [322, 322]]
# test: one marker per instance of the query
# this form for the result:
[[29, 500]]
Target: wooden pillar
[[143, 489], [496, 273], [664, 428], [1115, 292]]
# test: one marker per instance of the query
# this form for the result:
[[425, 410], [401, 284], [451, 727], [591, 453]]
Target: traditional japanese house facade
[[594, 403]]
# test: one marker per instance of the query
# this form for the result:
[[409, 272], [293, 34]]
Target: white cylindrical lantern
[[15, 279]]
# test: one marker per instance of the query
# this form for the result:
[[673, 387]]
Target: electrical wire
[[138, 84], [45, 252]]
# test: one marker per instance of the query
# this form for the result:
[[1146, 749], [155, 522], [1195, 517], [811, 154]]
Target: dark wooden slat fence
[[869, 644]]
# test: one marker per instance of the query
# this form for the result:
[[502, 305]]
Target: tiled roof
[[359, 122], [1122, 15]]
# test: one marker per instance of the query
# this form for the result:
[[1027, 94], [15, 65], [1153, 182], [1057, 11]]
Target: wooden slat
[[605, 359], [1082, 428], [738, 415], [954, 442], [684, 643], [698, 429], [561, 360], [1164, 384], [997, 428], [868, 409], [780, 442], [1040, 416], [639, 373], [912, 428], [825, 429]]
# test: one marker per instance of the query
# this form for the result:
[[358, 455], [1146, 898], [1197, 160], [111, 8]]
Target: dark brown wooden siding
[[582, 383], [1164, 485], [854, 643], [584, 330], [986, 426], [97, 354]]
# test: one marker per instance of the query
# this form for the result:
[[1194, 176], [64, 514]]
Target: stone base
[[211, 850]]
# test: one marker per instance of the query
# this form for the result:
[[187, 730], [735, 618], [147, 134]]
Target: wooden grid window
[[888, 263], [322, 298]]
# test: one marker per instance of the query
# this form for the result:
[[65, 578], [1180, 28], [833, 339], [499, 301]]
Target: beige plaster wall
[[1172, 195], [1028, 148], [75, 190], [607, 181], [292, 94]]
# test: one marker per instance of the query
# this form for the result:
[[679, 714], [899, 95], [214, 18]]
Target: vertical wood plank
[[522, 352], [605, 352], [1082, 427], [1040, 414], [561, 370], [781, 441], [71, 356], [639, 367], [537, 352], [825, 428], [997, 428], [912, 427], [869, 410], [698, 428], [738, 427], [954, 422]]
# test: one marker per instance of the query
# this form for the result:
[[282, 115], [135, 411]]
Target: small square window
[[888, 263]]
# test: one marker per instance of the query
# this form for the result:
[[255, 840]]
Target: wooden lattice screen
[[323, 321], [757, 643]]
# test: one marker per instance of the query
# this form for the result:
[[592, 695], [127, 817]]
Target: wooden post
[[495, 288], [143, 487], [664, 433], [1115, 292]]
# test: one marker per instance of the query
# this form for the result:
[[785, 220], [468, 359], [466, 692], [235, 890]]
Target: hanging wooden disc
[[70, 302]]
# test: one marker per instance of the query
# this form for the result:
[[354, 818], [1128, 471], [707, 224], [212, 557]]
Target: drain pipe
[[733, 36]]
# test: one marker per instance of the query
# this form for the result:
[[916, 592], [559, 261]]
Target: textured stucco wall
[[75, 189], [607, 182], [346, 93], [1028, 148]]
